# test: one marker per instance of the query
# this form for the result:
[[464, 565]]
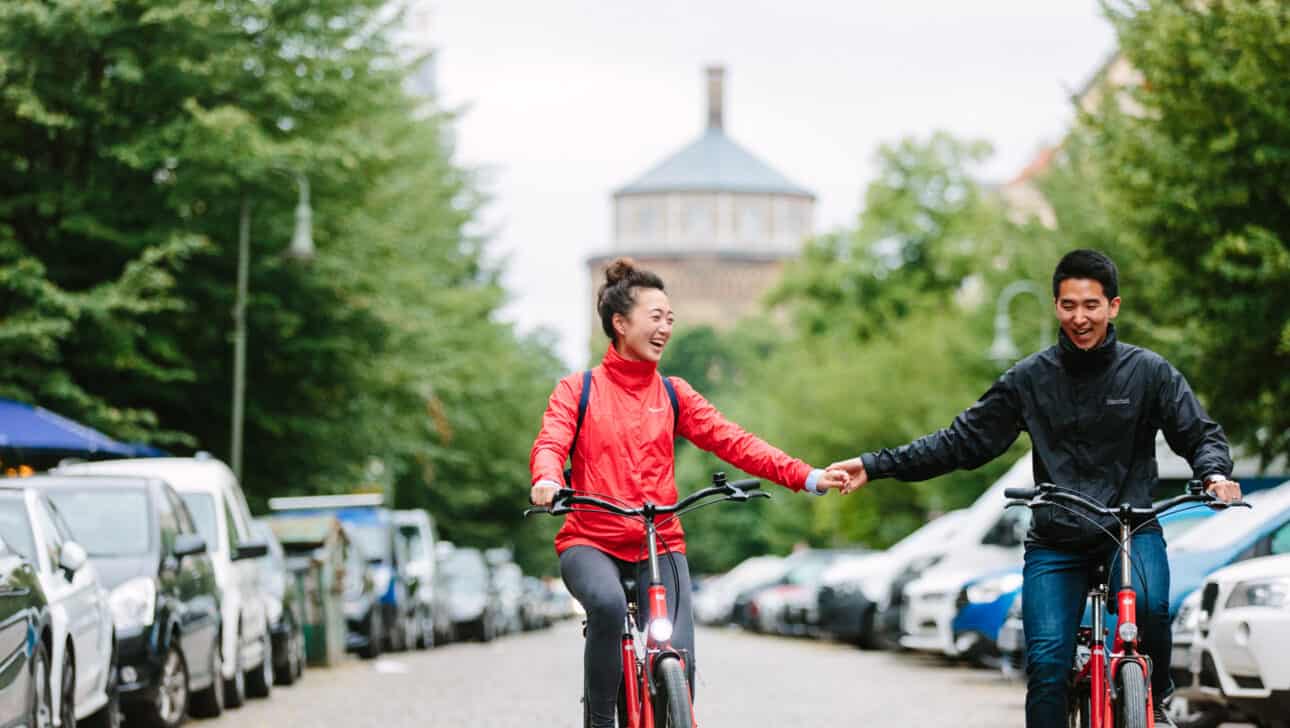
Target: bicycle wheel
[[1133, 696], [672, 701]]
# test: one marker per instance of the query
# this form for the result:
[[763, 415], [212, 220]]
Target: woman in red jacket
[[624, 452]]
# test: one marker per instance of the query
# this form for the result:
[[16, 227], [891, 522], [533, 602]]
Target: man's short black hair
[[1090, 264]]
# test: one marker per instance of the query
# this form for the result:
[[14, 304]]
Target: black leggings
[[594, 579]]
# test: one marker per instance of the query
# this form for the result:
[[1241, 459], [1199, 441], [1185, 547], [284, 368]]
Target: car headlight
[[991, 589], [1188, 618], [134, 603], [661, 629], [1274, 592]]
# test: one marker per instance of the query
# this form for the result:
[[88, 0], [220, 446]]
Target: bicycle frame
[[1101, 671], [1095, 671], [643, 648]]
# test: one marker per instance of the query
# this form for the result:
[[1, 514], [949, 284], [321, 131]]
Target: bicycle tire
[[672, 699], [1133, 696]]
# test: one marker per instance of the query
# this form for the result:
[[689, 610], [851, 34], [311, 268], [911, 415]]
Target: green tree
[[1194, 171]]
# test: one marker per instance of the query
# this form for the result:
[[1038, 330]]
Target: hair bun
[[618, 270]]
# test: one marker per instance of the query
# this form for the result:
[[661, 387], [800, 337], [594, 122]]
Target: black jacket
[[1092, 417]]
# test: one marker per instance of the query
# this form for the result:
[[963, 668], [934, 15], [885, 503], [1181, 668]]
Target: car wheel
[[167, 710], [209, 703], [259, 680], [67, 692], [42, 703], [235, 687]]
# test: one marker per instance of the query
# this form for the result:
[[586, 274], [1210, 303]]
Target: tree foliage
[[1194, 171]]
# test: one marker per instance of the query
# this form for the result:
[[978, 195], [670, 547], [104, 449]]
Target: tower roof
[[713, 162]]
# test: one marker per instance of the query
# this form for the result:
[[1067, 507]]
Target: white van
[[213, 496]]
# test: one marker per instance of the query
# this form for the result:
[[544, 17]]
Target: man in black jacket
[[1092, 407]]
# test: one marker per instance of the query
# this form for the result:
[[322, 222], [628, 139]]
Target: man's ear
[[1115, 307]]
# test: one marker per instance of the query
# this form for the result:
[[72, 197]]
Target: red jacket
[[625, 450]]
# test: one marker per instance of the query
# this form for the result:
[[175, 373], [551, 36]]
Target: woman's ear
[[620, 324]]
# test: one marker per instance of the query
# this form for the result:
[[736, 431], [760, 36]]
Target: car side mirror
[[189, 544], [72, 558], [251, 550]]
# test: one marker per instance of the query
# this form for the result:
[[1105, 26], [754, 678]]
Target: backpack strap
[[676, 407], [582, 412]]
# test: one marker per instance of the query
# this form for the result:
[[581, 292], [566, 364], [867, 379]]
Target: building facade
[[713, 220]]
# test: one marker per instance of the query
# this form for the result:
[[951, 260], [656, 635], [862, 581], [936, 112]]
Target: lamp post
[[301, 248], [1003, 350]]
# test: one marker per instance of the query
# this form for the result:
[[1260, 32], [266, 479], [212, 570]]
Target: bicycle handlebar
[[740, 490], [1048, 492]]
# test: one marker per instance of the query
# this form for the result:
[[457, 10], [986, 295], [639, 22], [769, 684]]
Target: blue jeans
[[1052, 603]]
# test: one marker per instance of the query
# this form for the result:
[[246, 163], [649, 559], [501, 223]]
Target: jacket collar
[[1079, 361], [627, 373]]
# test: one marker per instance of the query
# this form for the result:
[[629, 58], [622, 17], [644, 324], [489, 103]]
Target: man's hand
[[831, 480], [542, 494], [853, 471], [1226, 490]]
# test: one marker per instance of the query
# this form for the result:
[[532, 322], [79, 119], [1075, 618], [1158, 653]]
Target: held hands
[[850, 473], [831, 480]]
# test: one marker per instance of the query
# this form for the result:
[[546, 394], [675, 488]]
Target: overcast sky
[[563, 101]]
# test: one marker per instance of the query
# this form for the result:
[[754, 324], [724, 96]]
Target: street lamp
[[301, 248], [1004, 351]]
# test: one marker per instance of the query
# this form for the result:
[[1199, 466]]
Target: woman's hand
[[854, 473], [542, 494]]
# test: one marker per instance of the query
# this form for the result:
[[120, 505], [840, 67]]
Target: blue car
[[983, 607], [390, 622]]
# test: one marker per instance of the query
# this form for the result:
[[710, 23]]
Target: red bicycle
[[654, 692], [1110, 689]]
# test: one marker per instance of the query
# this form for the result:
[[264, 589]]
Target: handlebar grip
[[1020, 493], [747, 484]]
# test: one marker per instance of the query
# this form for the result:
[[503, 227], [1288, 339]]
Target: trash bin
[[316, 549]]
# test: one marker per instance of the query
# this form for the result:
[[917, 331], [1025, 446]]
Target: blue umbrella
[[37, 430]]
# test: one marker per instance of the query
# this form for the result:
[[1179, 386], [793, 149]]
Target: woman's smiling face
[[644, 331]]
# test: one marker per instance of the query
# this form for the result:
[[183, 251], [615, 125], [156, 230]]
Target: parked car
[[761, 607], [443, 623], [715, 603], [855, 593], [373, 528], [508, 584], [1233, 535], [163, 597], [82, 681], [533, 614], [472, 601], [284, 609], [1237, 667], [25, 636], [416, 528], [216, 502]]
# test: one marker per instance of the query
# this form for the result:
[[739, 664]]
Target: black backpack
[[582, 412]]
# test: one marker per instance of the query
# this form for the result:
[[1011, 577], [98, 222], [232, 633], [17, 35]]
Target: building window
[[646, 221], [752, 225]]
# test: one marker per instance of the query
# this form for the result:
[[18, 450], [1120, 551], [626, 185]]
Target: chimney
[[716, 91]]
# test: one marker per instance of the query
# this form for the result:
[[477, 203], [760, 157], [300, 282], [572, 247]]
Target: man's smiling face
[[1084, 311]]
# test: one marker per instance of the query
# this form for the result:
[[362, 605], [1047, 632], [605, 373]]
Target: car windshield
[[107, 521], [202, 508], [1230, 526], [931, 533], [15, 529], [373, 540]]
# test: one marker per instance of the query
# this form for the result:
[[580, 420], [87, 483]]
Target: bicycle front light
[[661, 629], [1129, 632]]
